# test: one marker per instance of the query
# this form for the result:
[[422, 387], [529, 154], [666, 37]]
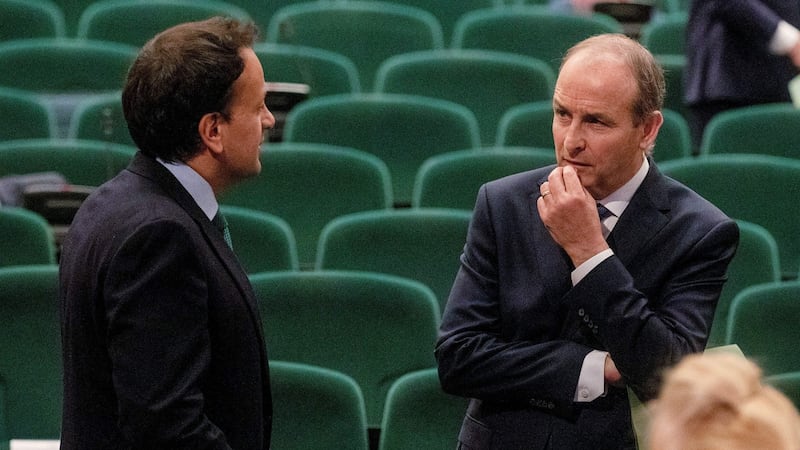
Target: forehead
[[597, 79], [251, 80]]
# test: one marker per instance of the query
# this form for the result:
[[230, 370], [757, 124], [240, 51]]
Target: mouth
[[575, 164]]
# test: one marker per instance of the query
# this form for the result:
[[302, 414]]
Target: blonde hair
[[717, 401]]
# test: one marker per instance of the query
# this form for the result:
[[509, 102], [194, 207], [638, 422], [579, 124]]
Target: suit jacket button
[[581, 312]]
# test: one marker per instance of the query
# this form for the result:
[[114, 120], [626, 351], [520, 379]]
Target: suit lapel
[[644, 217], [151, 169]]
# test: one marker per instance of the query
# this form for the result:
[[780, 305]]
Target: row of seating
[[384, 328], [355, 180], [373, 363], [60, 18]]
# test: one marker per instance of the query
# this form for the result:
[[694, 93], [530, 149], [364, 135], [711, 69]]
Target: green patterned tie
[[222, 224]]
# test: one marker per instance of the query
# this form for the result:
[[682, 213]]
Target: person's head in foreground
[[717, 401]]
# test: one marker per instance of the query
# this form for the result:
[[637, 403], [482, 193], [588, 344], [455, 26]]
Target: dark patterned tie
[[221, 223], [604, 214]]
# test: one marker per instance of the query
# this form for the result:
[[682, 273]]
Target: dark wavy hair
[[180, 75]]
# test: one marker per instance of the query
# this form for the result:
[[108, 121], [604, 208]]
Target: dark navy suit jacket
[[162, 340], [728, 58], [515, 331]]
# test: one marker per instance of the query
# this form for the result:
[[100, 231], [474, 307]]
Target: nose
[[574, 141], [268, 121]]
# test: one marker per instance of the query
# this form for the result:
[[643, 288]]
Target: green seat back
[[756, 188], [420, 244], [26, 116], [134, 23], [401, 130], [100, 118], [26, 238], [447, 12], [756, 261], [87, 163], [24, 19], [673, 77], [81, 65], [452, 180], [495, 81], [30, 351], [527, 30], [372, 327], [262, 242], [763, 323], [770, 129], [325, 72], [307, 185], [419, 415], [316, 408], [527, 125], [667, 35], [367, 32], [788, 384]]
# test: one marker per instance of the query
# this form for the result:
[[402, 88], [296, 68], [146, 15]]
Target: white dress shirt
[[591, 383], [197, 186]]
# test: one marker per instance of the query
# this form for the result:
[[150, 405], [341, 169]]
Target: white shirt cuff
[[592, 382], [786, 36], [581, 271]]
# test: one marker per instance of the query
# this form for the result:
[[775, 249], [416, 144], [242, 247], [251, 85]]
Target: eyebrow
[[590, 115]]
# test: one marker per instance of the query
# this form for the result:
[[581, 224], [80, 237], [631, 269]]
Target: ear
[[650, 127], [210, 133]]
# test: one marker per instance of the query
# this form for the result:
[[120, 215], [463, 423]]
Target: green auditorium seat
[[763, 323], [307, 185], [401, 130], [768, 129], [527, 125], [447, 12], [757, 188], [787, 383], [673, 66], [134, 23], [419, 416], [26, 238], [324, 71], [100, 118], [371, 327], [527, 30], [87, 163], [24, 19], [422, 244], [262, 242], [756, 262], [26, 116], [30, 351], [64, 71], [367, 32], [452, 180], [494, 81], [316, 408], [666, 35]]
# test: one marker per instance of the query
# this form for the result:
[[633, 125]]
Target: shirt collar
[[195, 184], [619, 199]]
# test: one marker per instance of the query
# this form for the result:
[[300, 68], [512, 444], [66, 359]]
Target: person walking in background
[[738, 53], [717, 401], [162, 341], [561, 307]]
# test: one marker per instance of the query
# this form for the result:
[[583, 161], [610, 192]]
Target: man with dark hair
[[162, 341], [579, 283]]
